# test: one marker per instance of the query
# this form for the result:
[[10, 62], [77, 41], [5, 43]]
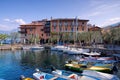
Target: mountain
[[112, 25], [8, 32], [4, 32]]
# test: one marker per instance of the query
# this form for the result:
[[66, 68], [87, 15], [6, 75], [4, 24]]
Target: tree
[[14, 37], [34, 39], [3, 37]]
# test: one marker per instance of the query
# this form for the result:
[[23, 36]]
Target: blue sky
[[16, 12]]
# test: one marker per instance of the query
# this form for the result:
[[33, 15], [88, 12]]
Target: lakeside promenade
[[100, 47], [11, 47]]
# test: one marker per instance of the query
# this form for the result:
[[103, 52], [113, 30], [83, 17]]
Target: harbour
[[24, 62]]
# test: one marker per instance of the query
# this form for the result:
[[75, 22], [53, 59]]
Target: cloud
[[111, 21], [94, 14], [13, 24], [18, 21], [7, 20], [103, 7], [107, 7], [95, 2]]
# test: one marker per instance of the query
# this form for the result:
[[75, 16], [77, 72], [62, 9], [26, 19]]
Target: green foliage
[[14, 36], [3, 37], [112, 36], [34, 39]]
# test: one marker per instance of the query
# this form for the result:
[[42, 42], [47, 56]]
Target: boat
[[46, 76], [105, 66], [22, 77], [79, 66], [76, 66], [58, 48], [65, 74], [26, 47], [86, 75], [77, 50], [99, 75], [91, 53], [36, 47]]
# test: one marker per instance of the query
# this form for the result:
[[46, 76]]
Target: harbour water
[[16, 63], [23, 62]]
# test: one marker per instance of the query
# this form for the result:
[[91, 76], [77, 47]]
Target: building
[[97, 35], [36, 29], [94, 29], [42, 29]]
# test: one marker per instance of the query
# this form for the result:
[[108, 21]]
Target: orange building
[[42, 29]]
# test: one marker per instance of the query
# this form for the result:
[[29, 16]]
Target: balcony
[[22, 32]]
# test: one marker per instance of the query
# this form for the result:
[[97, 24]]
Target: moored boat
[[76, 66], [22, 77], [37, 48], [101, 66], [46, 76], [99, 75]]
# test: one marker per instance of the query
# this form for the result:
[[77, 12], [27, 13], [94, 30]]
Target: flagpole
[[51, 30]]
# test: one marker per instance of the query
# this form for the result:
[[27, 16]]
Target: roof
[[95, 29], [32, 24], [69, 19]]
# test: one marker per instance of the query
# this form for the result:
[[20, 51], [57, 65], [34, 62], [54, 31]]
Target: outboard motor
[[53, 68], [37, 70], [22, 77]]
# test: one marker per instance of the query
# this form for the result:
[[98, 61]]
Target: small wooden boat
[[100, 69], [76, 66], [46, 76], [65, 74], [87, 65]]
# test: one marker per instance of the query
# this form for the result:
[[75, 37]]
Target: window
[[41, 29], [48, 34], [60, 24], [54, 28], [73, 24], [31, 29], [60, 29], [77, 28], [54, 24], [65, 24], [72, 29], [65, 29], [82, 28], [82, 22]]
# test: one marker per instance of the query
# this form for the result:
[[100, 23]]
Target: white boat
[[86, 75], [46, 76], [26, 47], [58, 48], [77, 51], [36, 47], [65, 74], [99, 75], [92, 53]]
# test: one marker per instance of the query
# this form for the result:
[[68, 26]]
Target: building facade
[[43, 29]]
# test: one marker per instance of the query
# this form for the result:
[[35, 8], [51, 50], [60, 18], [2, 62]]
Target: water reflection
[[15, 63], [43, 59]]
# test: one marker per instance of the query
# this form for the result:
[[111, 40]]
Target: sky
[[16, 12]]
